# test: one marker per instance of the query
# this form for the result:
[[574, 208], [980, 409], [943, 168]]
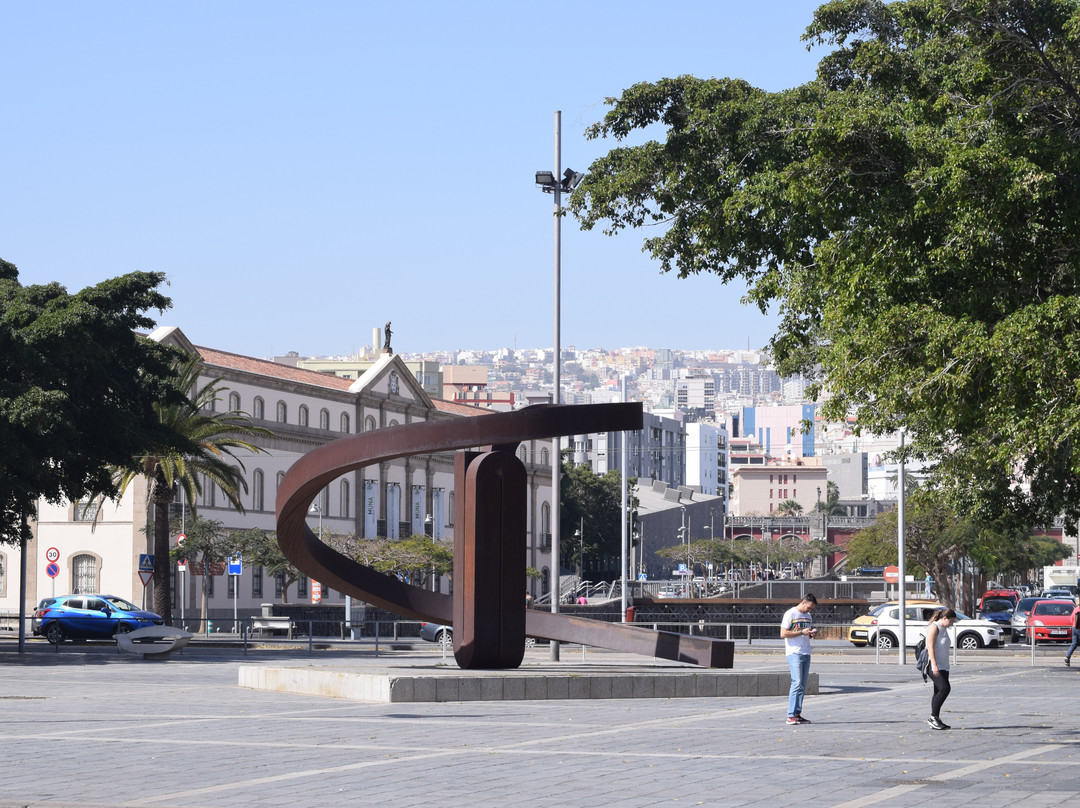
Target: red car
[[1051, 620]]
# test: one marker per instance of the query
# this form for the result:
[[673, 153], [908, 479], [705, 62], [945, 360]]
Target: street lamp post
[[548, 182], [685, 534], [429, 531]]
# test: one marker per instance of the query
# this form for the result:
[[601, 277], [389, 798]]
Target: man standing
[[797, 629]]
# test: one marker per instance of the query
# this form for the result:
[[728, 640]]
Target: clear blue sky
[[303, 172]]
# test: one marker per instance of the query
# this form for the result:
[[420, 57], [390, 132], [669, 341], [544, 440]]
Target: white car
[[967, 633]]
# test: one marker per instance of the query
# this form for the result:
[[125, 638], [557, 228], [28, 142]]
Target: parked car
[[1051, 620], [435, 632], [1011, 595], [1058, 593], [90, 616], [859, 630], [668, 592], [1019, 620], [35, 623], [883, 628], [996, 610]]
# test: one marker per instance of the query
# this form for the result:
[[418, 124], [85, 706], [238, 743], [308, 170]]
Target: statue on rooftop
[[386, 340]]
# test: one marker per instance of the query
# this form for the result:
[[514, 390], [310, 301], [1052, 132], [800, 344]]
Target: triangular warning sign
[[146, 576]]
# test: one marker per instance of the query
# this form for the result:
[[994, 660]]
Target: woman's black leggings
[[942, 689]]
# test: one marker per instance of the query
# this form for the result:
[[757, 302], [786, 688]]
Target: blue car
[[89, 617], [997, 610]]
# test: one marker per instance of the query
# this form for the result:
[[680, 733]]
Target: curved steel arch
[[500, 431]]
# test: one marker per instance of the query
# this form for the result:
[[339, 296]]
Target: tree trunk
[[161, 495]]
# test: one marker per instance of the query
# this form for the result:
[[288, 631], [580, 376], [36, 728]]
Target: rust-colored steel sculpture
[[490, 626]]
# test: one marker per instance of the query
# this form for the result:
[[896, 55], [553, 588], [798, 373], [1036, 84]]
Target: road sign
[[235, 565], [52, 554], [891, 575], [181, 565], [180, 540], [198, 568], [146, 575], [52, 569], [146, 562]]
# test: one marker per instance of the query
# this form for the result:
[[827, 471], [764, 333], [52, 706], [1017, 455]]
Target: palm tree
[[212, 437], [789, 507], [831, 506]]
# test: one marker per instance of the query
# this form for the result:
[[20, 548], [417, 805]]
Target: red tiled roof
[[263, 367], [453, 408]]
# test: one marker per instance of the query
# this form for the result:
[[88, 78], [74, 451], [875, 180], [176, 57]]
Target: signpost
[[181, 567], [52, 569], [891, 575], [235, 569]]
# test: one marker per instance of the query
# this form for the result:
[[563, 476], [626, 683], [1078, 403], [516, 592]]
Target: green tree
[[260, 549], [212, 439], [78, 389], [789, 507], [911, 216], [831, 506], [416, 558], [937, 535], [591, 503], [207, 542]]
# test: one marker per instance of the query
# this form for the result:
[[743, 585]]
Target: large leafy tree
[[78, 389], [591, 503], [911, 214], [937, 536], [211, 439]]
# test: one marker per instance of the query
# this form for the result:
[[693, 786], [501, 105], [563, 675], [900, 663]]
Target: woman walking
[[937, 648]]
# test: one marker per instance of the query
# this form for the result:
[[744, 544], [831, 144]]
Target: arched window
[[324, 500], [523, 454], [84, 576], [393, 422], [545, 581], [277, 483], [450, 514], [369, 424], [324, 419], [257, 490], [545, 519], [302, 414], [343, 506], [258, 408], [345, 422], [282, 413], [545, 457], [234, 402]]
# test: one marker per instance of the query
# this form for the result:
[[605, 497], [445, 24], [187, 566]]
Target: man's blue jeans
[[800, 672], [1075, 642]]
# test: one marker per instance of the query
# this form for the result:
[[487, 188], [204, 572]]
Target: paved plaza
[[87, 727]]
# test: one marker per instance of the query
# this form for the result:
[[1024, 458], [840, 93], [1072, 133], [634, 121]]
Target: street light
[[684, 533], [550, 185], [429, 530]]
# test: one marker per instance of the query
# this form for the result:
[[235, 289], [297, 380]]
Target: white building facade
[[303, 409]]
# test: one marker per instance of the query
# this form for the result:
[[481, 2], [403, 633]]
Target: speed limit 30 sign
[[52, 555]]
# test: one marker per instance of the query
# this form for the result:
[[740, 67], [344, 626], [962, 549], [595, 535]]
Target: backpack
[[922, 658]]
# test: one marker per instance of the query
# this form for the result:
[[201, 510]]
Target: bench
[[877, 596], [271, 627], [157, 641]]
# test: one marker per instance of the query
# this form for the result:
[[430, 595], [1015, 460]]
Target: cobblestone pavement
[[89, 728]]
